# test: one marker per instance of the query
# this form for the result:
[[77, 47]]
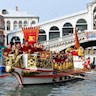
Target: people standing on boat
[[32, 49], [87, 63], [26, 47], [19, 47], [7, 50], [13, 49], [92, 65]]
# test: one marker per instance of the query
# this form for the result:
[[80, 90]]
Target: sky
[[46, 9]]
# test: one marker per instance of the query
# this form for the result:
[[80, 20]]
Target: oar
[[77, 76]]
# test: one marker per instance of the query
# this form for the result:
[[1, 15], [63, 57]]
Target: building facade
[[1, 30], [15, 20], [62, 26]]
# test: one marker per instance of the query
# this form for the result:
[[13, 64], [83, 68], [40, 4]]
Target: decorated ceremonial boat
[[42, 67], [34, 69]]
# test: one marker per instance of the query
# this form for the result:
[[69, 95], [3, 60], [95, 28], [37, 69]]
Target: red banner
[[31, 34]]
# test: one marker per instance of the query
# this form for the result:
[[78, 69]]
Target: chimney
[[17, 8]]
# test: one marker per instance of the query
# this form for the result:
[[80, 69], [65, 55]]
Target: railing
[[52, 41], [65, 41]]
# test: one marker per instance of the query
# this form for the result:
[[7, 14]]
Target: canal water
[[9, 87]]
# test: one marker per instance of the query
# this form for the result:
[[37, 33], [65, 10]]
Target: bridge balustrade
[[64, 42]]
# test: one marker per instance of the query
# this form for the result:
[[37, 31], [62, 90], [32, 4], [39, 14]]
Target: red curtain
[[31, 34]]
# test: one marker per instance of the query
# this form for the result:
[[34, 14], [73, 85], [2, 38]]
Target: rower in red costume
[[32, 50], [20, 49], [26, 47]]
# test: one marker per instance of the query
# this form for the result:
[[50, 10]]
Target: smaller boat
[[2, 67]]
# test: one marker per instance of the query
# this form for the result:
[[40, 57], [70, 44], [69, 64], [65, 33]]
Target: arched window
[[54, 32], [25, 23], [20, 24], [94, 18], [15, 39], [32, 23], [8, 25], [94, 10], [81, 25], [67, 29], [42, 35], [4, 25], [15, 25]]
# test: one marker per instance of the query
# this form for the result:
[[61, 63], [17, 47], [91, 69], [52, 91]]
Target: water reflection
[[80, 88], [32, 90], [9, 87]]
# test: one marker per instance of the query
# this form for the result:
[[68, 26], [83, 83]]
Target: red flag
[[31, 34], [77, 44]]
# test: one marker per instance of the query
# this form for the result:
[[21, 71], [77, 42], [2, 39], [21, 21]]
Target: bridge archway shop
[[15, 39]]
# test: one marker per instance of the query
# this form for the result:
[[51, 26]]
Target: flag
[[77, 44], [31, 34]]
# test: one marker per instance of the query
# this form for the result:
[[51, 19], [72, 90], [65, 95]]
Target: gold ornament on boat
[[80, 51]]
